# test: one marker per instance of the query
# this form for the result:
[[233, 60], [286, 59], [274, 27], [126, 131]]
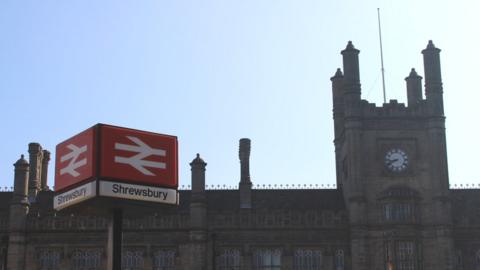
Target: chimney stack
[[44, 176], [36, 156], [433, 79], [351, 71], [245, 185]]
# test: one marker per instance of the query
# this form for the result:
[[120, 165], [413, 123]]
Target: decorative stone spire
[[245, 185], [414, 88]]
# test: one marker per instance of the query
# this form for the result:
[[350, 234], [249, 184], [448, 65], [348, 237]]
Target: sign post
[[119, 165]]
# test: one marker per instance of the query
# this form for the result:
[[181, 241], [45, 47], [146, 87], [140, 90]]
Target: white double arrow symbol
[[73, 156], [143, 151]]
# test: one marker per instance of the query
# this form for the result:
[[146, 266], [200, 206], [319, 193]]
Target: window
[[339, 260], [405, 255], [164, 260], [267, 259], [86, 259], [477, 260], [229, 259], [307, 259], [459, 260], [399, 212], [132, 260], [49, 259]]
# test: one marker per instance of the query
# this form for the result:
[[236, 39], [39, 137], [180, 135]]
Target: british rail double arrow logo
[[74, 162], [143, 151]]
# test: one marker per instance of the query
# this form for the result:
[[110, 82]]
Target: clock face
[[396, 160]]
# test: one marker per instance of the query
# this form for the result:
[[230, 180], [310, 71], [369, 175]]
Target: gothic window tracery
[[164, 260], [459, 260], [477, 260], [339, 260], [307, 259], [405, 255], [49, 259], [86, 259], [132, 260], [229, 259], [267, 259]]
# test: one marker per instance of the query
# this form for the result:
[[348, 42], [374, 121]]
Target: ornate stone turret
[[18, 216], [245, 185], [198, 216], [44, 175], [36, 156], [414, 88]]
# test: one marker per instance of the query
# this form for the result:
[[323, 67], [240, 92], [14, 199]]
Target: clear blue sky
[[212, 72]]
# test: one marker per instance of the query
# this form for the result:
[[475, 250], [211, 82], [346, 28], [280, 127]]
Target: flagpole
[[381, 56]]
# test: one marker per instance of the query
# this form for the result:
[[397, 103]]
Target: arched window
[[49, 259], [132, 260], [405, 255], [229, 259], [477, 260], [267, 259], [164, 260], [86, 259], [307, 259], [339, 260], [399, 204]]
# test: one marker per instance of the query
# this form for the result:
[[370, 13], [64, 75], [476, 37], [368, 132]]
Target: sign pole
[[115, 240]]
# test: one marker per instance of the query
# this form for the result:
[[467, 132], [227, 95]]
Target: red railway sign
[[108, 154], [75, 160], [138, 156]]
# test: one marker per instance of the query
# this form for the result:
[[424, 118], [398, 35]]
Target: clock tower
[[391, 164]]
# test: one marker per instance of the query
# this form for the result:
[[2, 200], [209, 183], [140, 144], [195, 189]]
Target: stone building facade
[[392, 208]]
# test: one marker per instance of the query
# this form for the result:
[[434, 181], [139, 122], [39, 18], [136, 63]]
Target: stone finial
[[198, 161], [338, 74], [21, 162], [350, 47]]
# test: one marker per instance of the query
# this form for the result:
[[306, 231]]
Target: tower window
[[307, 259], [267, 259], [399, 211]]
